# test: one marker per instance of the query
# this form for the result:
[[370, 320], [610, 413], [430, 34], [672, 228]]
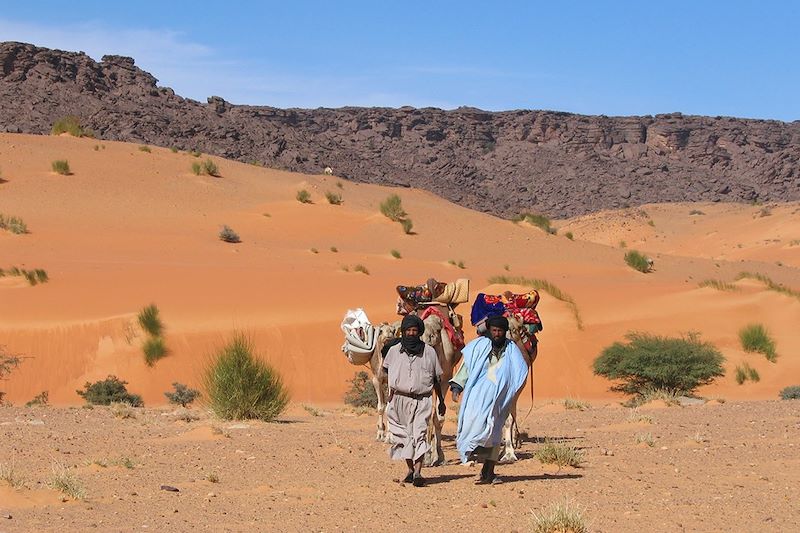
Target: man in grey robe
[[414, 372]]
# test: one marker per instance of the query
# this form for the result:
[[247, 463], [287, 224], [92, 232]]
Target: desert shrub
[[41, 399], [7, 364], [111, 389], [559, 454], [61, 166], [542, 285], [719, 285], [145, 148], [238, 385], [361, 268], [392, 208], [395, 254], [745, 372], [560, 518], [334, 249], [535, 219], [407, 225], [303, 196], [65, 482], [181, 394], [210, 168], [645, 438], [10, 476], [122, 410], [333, 198], [637, 261], [362, 391], [569, 235], [313, 411], [150, 320], [756, 338], [678, 365], [790, 393], [72, 125], [696, 212], [570, 403], [770, 284], [228, 235], [13, 224], [196, 168], [154, 349]]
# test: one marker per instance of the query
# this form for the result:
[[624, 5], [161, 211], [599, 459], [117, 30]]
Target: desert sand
[[129, 228]]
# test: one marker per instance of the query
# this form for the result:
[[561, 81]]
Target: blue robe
[[487, 395]]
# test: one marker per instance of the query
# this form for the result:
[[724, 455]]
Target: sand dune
[[129, 228]]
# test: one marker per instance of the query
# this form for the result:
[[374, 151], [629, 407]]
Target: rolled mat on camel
[[359, 336]]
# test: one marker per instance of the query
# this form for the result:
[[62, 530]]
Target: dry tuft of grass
[[122, 410], [212, 477], [570, 403], [145, 148], [395, 254], [459, 264], [66, 483], [746, 372], [61, 166], [333, 198], [303, 196], [13, 224], [9, 474], [559, 454], [313, 411], [719, 285], [534, 219], [361, 268], [542, 285], [645, 438], [635, 416], [560, 518], [770, 284]]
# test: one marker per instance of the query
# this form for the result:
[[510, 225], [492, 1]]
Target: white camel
[[436, 335], [515, 332]]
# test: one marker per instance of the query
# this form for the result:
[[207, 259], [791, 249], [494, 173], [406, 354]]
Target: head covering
[[497, 321], [413, 345]]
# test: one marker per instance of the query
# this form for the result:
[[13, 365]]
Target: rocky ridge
[[555, 163]]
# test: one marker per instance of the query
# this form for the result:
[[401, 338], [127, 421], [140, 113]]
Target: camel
[[384, 333], [436, 335], [515, 332]]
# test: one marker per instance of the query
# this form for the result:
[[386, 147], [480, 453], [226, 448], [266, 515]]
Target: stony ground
[[717, 467]]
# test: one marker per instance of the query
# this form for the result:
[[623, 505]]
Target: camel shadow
[[537, 477], [446, 478]]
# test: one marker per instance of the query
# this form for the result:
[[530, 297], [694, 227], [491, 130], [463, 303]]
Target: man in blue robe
[[492, 373]]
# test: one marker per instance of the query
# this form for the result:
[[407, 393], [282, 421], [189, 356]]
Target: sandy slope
[[129, 228]]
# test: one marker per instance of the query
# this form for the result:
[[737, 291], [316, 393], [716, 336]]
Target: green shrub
[[362, 392], [42, 399], [154, 349], [392, 208], [196, 168], [790, 393], [303, 196], [333, 198], [150, 321], [111, 389], [755, 338], [72, 125], [534, 219], [569, 235], [560, 518], [407, 225], [65, 482], [145, 148], [210, 168], [61, 166], [745, 372], [395, 254], [181, 394], [648, 361], [13, 224], [228, 235], [238, 385], [637, 261]]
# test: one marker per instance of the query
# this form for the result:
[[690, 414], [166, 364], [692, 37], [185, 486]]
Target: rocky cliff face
[[559, 164]]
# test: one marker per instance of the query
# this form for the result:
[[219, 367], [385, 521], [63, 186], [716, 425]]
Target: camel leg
[[508, 455], [376, 364]]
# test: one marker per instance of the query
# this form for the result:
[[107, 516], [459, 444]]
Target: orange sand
[[130, 228]]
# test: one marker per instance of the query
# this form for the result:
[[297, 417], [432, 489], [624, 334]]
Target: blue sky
[[735, 58]]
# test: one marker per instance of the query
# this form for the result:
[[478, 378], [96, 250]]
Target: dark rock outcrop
[[555, 163]]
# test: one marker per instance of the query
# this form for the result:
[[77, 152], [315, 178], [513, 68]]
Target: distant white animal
[[328, 171]]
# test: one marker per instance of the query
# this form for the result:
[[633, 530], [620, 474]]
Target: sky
[[702, 57]]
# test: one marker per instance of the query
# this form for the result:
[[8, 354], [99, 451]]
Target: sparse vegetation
[[361, 268], [407, 225], [719, 285], [239, 385], [7, 364], [392, 208], [395, 254], [560, 518], [145, 148], [181, 394], [205, 167], [34, 277], [303, 196], [637, 261], [652, 362], [334, 249], [652, 394], [559, 454], [154, 349], [623, 244], [756, 338], [791, 392], [340, 184], [173, 149], [362, 392], [764, 212], [227, 234], [150, 320], [65, 482], [651, 223], [542, 285], [645, 438], [771, 285], [13, 224], [212, 477], [459, 264], [333, 198], [570, 403], [40, 400], [72, 125], [111, 389], [635, 416], [195, 153], [569, 235], [537, 220], [745, 372], [314, 251], [61, 166], [696, 212], [313, 411], [10, 476], [122, 410]]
